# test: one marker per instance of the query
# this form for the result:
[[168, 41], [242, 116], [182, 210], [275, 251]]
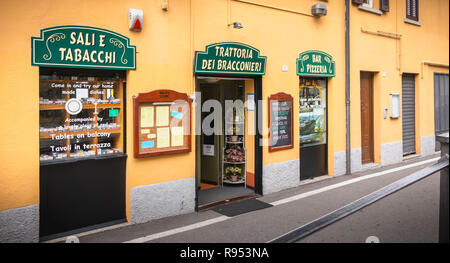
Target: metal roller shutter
[[408, 114], [441, 107]]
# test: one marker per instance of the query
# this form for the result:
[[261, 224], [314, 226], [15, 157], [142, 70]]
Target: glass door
[[313, 127]]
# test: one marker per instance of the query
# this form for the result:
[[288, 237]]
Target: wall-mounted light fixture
[[165, 5], [237, 25], [319, 9]]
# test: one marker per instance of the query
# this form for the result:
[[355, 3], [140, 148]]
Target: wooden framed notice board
[[162, 123], [280, 122]]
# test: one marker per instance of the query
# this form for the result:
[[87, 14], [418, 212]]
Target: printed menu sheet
[[162, 116], [177, 136], [162, 137], [147, 117]]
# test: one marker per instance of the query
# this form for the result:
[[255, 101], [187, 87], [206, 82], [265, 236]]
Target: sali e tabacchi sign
[[82, 47], [229, 58]]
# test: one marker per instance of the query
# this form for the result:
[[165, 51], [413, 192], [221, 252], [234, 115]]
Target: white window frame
[[369, 4], [368, 7]]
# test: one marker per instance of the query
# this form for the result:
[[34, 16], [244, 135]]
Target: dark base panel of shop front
[[82, 193], [313, 161]]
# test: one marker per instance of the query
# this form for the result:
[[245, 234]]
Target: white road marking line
[[352, 181], [279, 202], [103, 229], [179, 230]]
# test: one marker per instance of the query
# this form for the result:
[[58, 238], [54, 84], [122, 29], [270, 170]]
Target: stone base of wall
[[280, 176], [427, 145], [356, 160], [20, 225], [162, 200], [391, 153], [340, 165]]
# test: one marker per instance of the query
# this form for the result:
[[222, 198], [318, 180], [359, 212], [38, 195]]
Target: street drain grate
[[241, 207]]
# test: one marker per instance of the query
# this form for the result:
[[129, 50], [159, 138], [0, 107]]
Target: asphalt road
[[410, 215]]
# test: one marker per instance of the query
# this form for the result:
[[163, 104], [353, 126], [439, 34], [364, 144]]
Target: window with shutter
[[412, 9], [358, 2]]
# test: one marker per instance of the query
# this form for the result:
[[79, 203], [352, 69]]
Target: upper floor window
[[412, 9], [367, 3]]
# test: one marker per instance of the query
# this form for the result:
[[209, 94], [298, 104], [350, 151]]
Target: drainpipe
[[347, 87]]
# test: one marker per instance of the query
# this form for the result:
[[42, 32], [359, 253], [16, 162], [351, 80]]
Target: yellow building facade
[[383, 47]]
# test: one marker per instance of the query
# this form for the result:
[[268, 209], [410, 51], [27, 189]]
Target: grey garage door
[[440, 104], [408, 114]]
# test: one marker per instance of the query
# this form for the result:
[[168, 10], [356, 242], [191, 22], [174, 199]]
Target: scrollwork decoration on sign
[[327, 59], [52, 39], [313, 63], [304, 58], [119, 44], [75, 46]]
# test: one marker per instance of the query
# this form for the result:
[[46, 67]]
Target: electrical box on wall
[[136, 19], [395, 106]]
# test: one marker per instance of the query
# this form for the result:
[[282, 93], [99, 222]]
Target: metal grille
[[408, 113], [441, 101]]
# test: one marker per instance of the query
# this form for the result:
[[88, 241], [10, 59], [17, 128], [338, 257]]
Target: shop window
[[313, 112], [80, 115], [412, 9]]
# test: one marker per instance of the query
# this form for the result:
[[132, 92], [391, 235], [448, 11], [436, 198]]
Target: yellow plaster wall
[[165, 51], [163, 62], [281, 36], [381, 54]]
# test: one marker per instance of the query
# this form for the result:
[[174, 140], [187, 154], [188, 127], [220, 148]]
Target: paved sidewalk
[[297, 206]]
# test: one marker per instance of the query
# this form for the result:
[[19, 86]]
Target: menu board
[[162, 123], [280, 122]]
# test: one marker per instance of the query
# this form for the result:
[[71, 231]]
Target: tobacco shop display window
[[80, 113]]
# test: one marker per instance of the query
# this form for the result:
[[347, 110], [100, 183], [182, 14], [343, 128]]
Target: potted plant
[[233, 172], [233, 131], [234, 154]]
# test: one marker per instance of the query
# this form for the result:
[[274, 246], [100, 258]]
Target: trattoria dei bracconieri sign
[[315, 63], [82, 47], [229, 58]]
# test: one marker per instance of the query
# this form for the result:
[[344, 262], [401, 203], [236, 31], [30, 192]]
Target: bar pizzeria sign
[[229, 58], [82, 47], [315, 63]]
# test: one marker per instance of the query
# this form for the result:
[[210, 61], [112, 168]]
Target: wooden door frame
[[371, 157]]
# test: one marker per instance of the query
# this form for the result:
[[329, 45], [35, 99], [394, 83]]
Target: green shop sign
[[82, 47], [315, 63], [229, 58]]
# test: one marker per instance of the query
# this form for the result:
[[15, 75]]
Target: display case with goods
[[79, 116], [234, 152]]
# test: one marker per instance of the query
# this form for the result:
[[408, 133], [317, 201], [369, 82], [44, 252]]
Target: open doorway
[[225, 156]]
